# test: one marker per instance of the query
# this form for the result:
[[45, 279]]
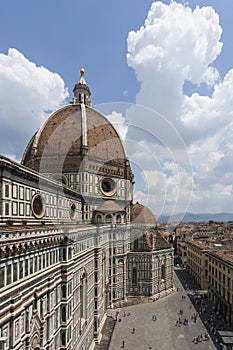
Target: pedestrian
[[133, 330], [123, 344], [194, 340], [199, 338]]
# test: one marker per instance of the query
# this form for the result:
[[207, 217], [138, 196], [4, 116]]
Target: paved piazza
[[161, 334]]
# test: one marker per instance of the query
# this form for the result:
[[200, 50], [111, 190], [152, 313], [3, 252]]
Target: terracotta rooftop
[[139, 214], [201, 245], [110, 205], [61, 135], [225, 255]]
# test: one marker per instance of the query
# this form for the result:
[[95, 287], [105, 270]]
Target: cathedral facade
[[73, 244]]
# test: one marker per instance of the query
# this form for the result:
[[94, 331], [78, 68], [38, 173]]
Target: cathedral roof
[[140, 214], [62, 134], [109, 206], [73, 132]]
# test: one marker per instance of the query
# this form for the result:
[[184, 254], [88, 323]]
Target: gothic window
[[163, 272], [72, 211], [134, 275]]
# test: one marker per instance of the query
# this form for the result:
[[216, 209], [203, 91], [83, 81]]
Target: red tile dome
[[140, 214], [61, 137], [76, 137]]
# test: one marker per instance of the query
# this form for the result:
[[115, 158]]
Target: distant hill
[[189, 217]]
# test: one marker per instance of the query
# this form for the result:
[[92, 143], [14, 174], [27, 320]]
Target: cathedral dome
[[76, 137], [140, 214]]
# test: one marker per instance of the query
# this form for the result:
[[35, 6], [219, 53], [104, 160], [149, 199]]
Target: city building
[[73, 243], [220, 272], [210, 263], [197, 262]]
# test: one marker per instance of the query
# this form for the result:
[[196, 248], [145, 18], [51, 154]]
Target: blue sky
[[178, 64], [62, 35]]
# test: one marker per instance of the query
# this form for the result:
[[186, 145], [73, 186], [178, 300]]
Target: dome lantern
[[81, 90]]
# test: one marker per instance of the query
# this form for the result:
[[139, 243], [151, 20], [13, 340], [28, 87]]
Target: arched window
[[163, 273], [118, 219], [108, 219], [98, 219], [72, 211], [134, 275]]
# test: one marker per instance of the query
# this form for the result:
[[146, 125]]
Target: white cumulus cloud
[[177, 45], [27, 93]]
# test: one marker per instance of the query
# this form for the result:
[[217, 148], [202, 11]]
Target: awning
[[225, 333], [227, 340], [226, 337]]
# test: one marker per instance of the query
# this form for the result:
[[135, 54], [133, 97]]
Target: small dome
[[139, 214]]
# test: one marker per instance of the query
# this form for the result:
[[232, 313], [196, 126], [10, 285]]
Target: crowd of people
[[200, 337]]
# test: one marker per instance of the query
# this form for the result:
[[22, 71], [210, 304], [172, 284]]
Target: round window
[[38, 206], [108, 187]]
